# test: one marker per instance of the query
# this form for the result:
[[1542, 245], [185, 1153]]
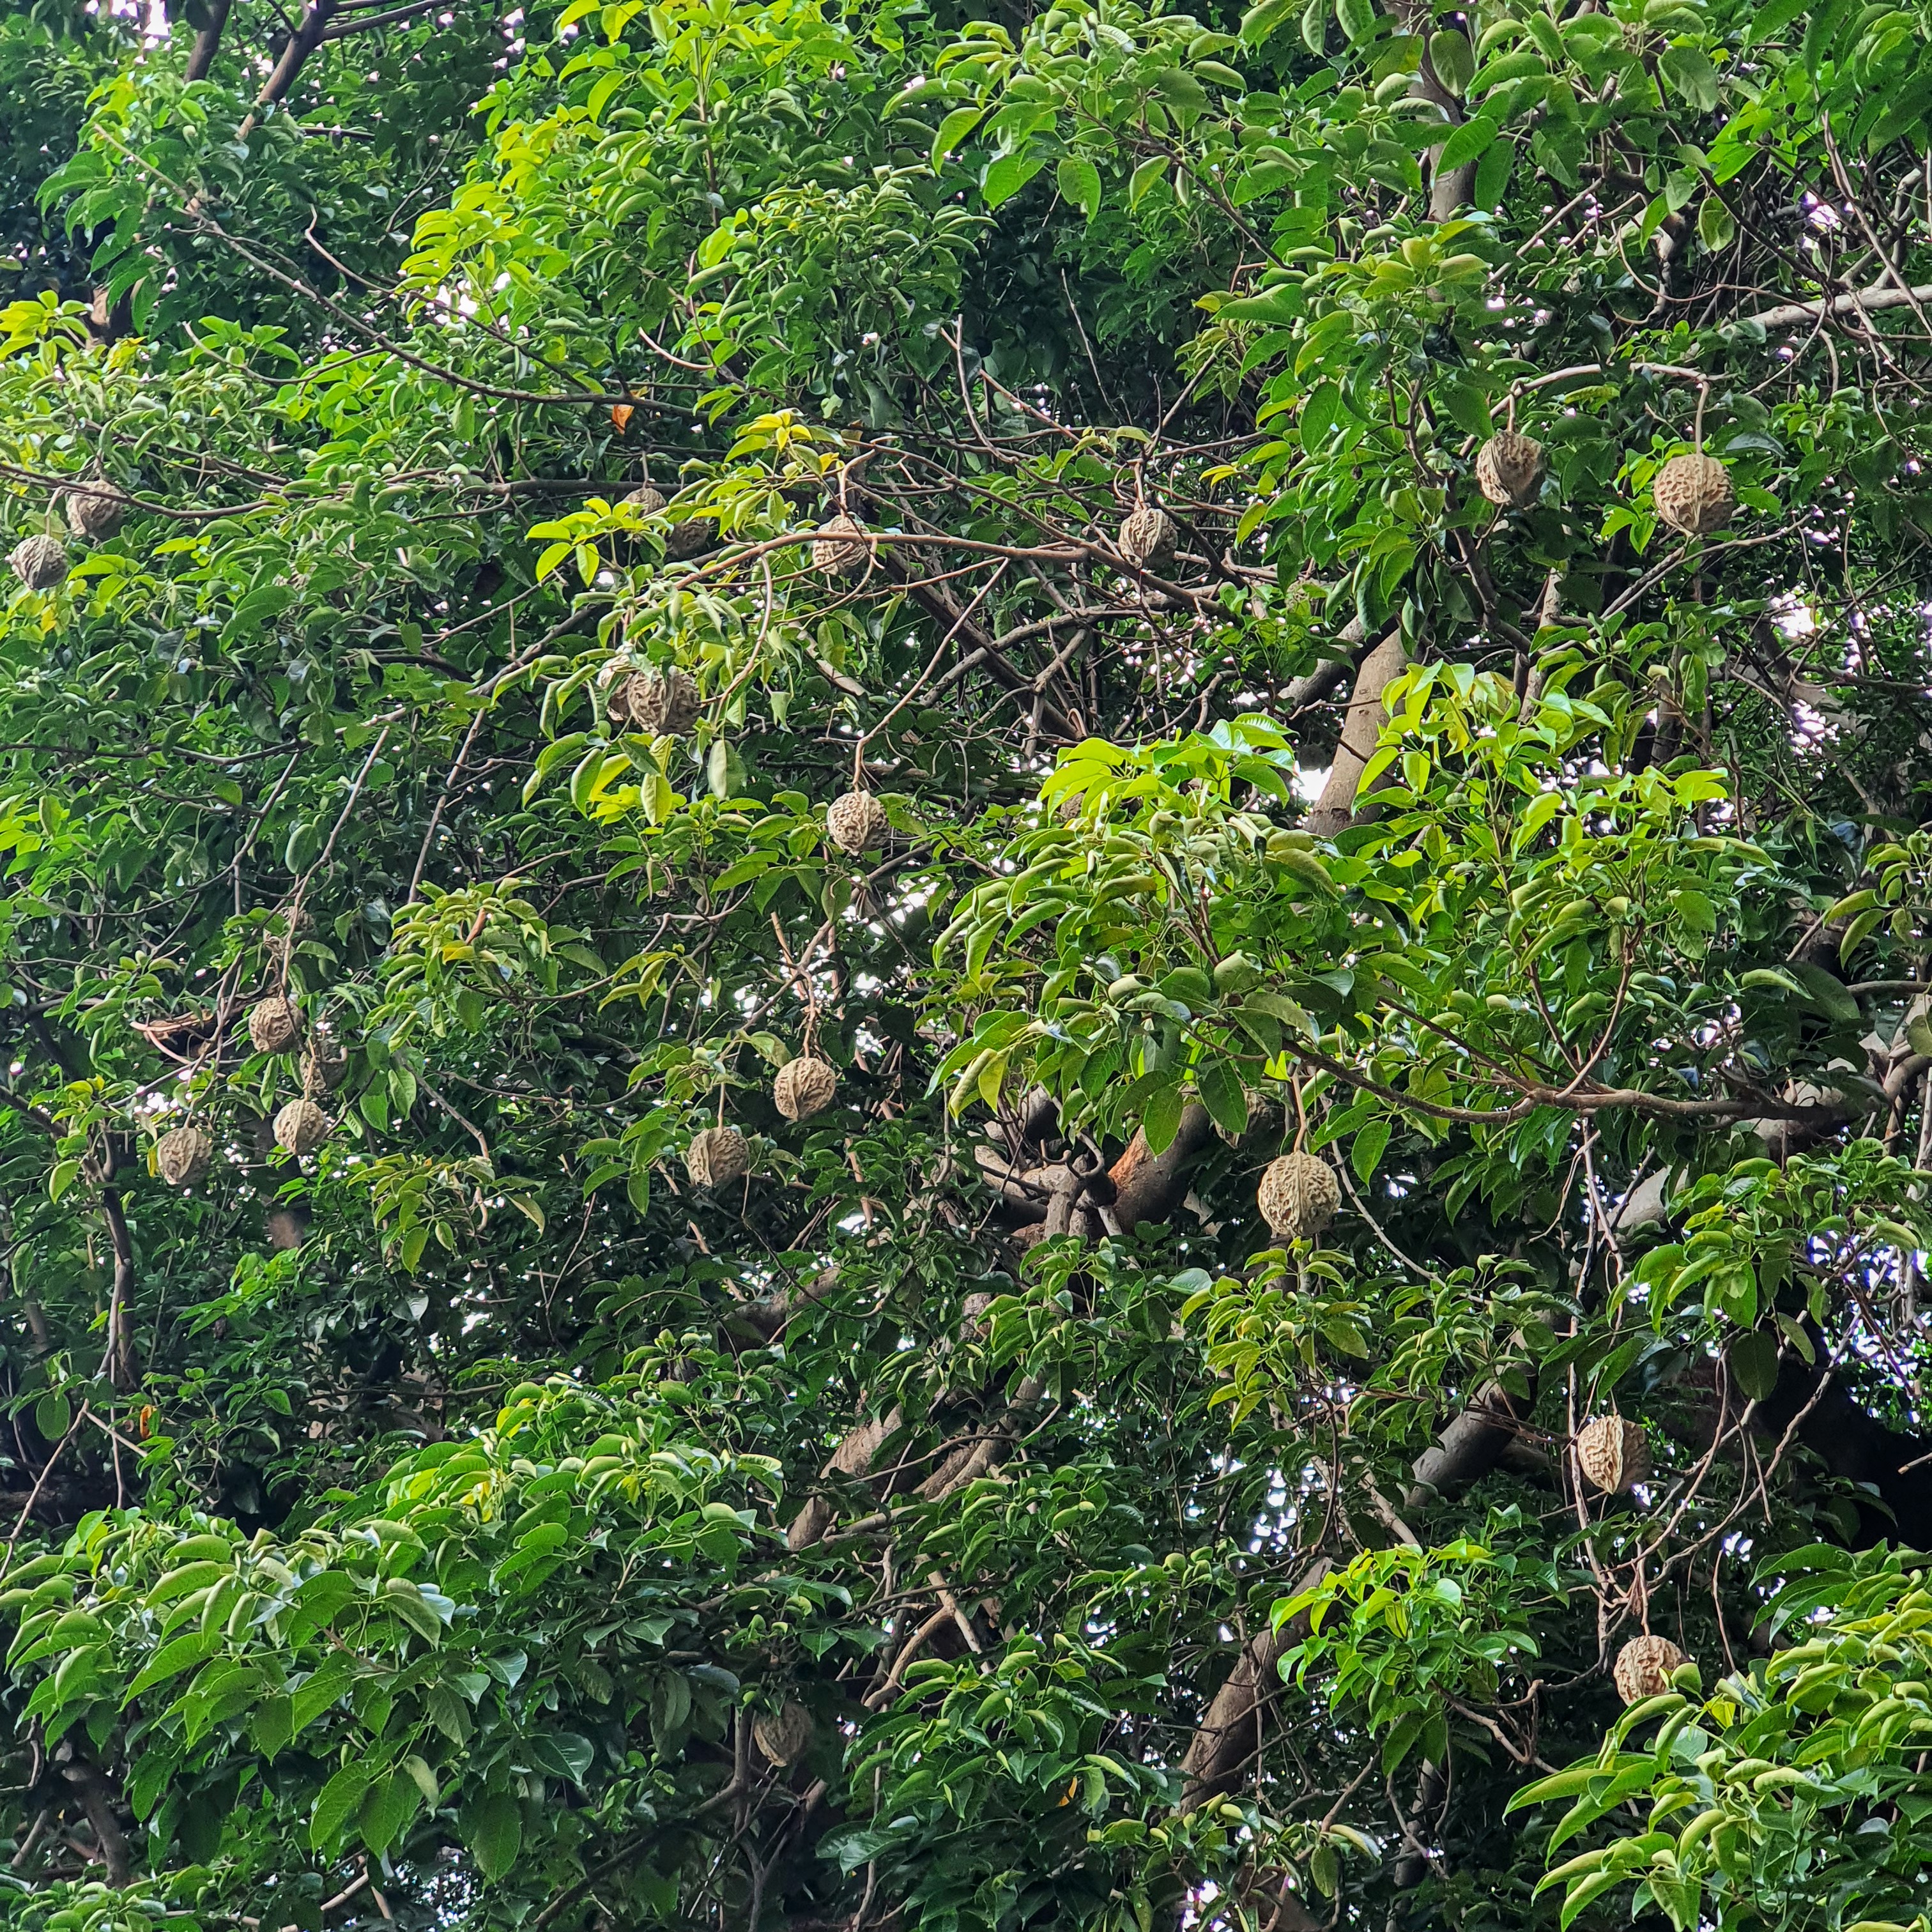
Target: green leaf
[[1358, 19], [1008, 174], [53, 1415], [1224, 1096], [1079, 181], [338, 1798], [1365, 1153], [1752, 1361], [1690, 75], [1466, 142], [496, 1834], [1160, 1118], [953, 130]]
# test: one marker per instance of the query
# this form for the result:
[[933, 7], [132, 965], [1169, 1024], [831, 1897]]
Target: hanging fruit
[[275, 1024], [324, 1064], [717, 1157], [784, 1736], [96, 512], [1148, 538], [1693, 494], [647, 498], [184, 1156], [857, 822], [301, 1126], [1298, 1196], [40, 562], [1614, 1454], [840, 548], [1509, 469], [1644, 1666], [656, 702], [804, 1086]]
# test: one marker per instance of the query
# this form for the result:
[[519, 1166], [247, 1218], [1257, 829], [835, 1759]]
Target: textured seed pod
[[784, 1736], [804, 1086], [95, 511], [1693, 494], [300, 1126], [646, 497], [840, 549], [184, 1156], [656, 702], [857, 822], [1509, 469], [1644, 1666], [39, 562], [1147, 537], [1614, 1454], [688, 536], [274, 1025], [324, 1064], [1299, 1195], [717, 1157]]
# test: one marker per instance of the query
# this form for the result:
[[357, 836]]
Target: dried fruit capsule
[[656, 702], [1693, 494], [1509, 469], [301, 1126], [840, 548], [1299, 1195], [40, 562], [804, 1086], [95, 511], [183, 1157], [1644, 1666], [784, 1736], [1148, 538], [717, 1157], [857, 822], [275, 1024], [646, 497], [1614, 1454]]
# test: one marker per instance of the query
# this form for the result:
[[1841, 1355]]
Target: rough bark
[[1469, 1447], [1236, 1723], [1361, 733]]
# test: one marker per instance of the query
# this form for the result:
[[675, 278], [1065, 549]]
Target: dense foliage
[[716, 717]]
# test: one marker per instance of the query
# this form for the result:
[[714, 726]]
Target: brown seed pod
[[275, 1024], [1693, 494], [183, 1157], [717, 1157], [840, 549], [1644, 1666], [687, 537], [95, 511], [784, 1736], [39, 562], [646, 497], [1299, 1195], [857, 822], [656, 702], [325, 1063], [1509, 469], [301, 1126], [1148, 538], [1614, 1454], [804, 1086]]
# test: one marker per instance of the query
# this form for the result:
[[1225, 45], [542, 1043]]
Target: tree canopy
[[965, 973]]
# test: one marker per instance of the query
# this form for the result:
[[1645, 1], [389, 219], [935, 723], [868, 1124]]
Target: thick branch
[[1235, 1726], [208, 42], [1360, 733]]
